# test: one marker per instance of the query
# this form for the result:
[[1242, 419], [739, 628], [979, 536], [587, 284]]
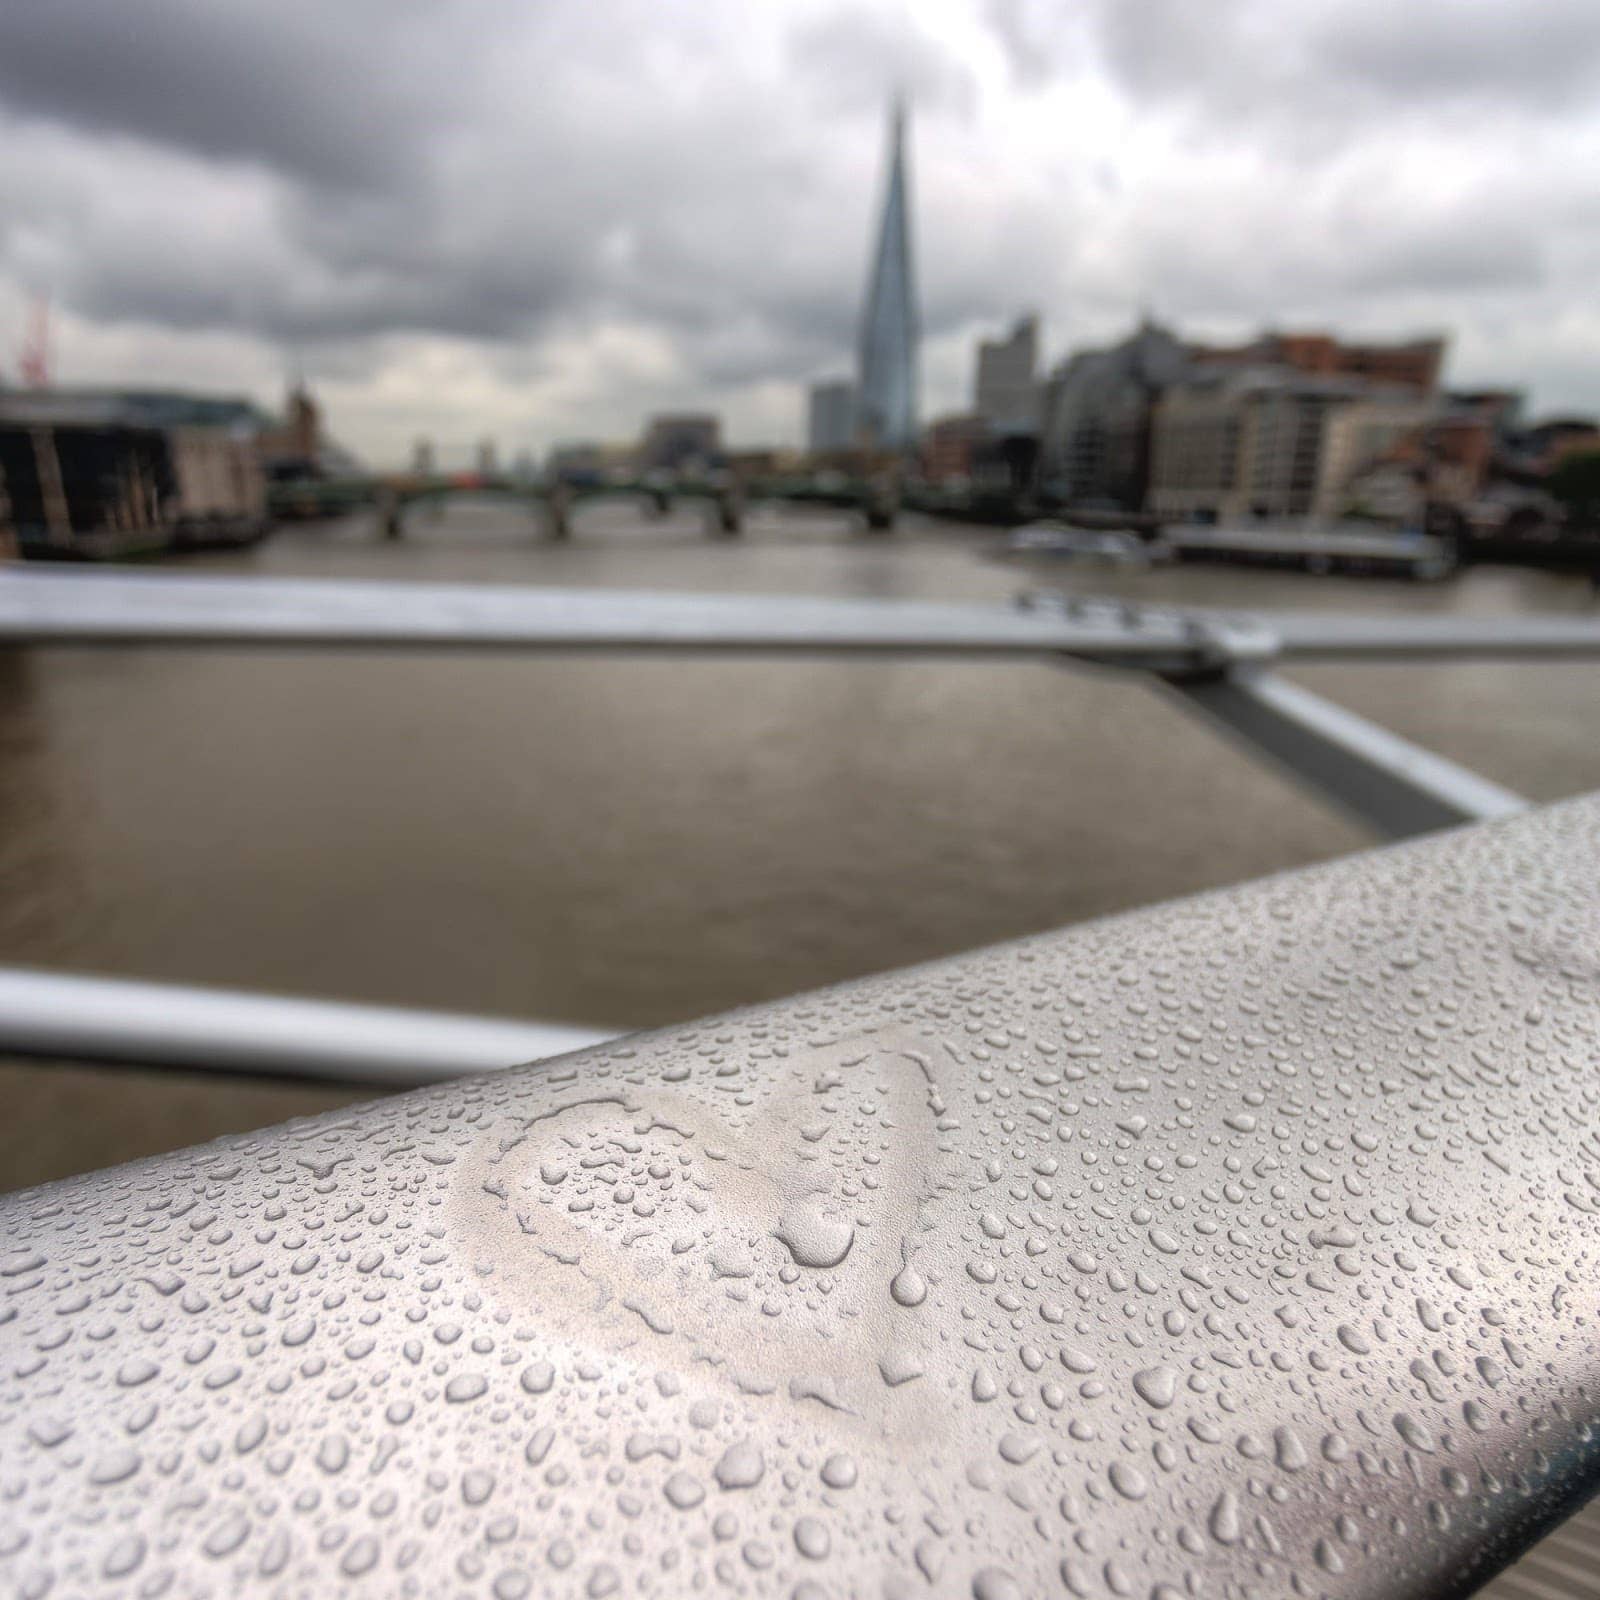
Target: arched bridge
[[725, 496]]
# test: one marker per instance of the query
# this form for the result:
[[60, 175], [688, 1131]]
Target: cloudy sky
[[540, 221]]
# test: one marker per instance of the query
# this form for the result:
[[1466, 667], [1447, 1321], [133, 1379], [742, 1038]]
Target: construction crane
[[33, 359]]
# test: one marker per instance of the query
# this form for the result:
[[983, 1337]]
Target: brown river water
[[626, 842]]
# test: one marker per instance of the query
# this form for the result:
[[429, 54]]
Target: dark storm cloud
[[1342, 61], [1541, 54], [1459, 254], [1256, 268], [1033, 37], [461, 169], [857, 53], [347, 94], [686, 191], [477, 300]]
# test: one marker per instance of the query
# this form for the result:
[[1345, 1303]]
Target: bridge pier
[[730, 512], [880, 504], [558, 512], [389, 509]]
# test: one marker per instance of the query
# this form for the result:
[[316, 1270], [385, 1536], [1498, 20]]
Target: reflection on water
[[625, 841], [40, 816]]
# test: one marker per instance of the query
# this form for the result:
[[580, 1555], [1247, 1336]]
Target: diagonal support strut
[[1381, 779]]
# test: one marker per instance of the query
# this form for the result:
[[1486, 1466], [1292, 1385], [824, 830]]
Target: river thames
[[627, 842]]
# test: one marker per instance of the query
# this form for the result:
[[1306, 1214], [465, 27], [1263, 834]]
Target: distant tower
[[486, 457], [303, 423], [1006, 392], [887, 393], [422, 456], [830, 416]]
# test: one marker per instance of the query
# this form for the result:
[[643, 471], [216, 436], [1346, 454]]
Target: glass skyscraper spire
[[887, 396]]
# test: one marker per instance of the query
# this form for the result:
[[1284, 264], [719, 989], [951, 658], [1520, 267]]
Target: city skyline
[[274, 187]]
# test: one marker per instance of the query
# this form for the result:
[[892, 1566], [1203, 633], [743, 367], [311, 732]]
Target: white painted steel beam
[[1211, 655], [123, 1022], [98, 608], [1383, 780], [123, 608], [1340, 636]]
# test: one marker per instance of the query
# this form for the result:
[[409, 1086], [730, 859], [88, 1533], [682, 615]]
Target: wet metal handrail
[[1245, 1246]]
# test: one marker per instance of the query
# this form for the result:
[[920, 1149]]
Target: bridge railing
[[1245, 1245], [1242, 1246]]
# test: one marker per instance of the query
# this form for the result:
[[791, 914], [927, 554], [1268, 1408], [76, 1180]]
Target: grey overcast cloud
[[539, 222]]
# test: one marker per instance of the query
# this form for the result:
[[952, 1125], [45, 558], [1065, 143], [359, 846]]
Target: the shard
[[887, 414]]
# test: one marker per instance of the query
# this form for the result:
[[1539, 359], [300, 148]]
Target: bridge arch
[[726, 499]]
